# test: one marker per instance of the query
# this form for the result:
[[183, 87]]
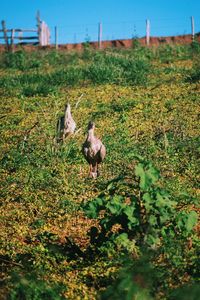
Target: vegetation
[[133, 232]]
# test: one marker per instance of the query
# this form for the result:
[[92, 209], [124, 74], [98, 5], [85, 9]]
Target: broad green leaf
[[152, 220], [148, 202], [191, 220], [153, 173], [160, 201], [115, 205], [139, 171], [92, 208], [129, 211], [152, 239]]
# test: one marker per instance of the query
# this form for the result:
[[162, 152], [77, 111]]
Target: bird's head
[[91, 125], [67, 107]]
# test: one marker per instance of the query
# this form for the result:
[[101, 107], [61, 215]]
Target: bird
[[69, 123], [93, 150], [66, 124]]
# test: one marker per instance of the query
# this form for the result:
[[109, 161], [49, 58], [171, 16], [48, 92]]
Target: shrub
[[135, 72], [170, 53], [100, 73], [195, 47], [16, 60], [20, 60], [29, 287], [117, 70], [141, 221]]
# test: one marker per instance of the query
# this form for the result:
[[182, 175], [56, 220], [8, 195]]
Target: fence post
[[100, 35], [147, 32], [56, 37], [12, 39], [192, 25], [39, 26], [3, 23]]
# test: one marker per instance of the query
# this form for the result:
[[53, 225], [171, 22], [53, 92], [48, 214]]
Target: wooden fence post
[[38, 26], [56, 37], [12, 39], [192, 25], [147, 32], [100, 35], [3, 23]]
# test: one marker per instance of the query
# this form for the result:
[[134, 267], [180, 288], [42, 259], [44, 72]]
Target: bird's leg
[[90, 170], [95, 171], [98, 170]]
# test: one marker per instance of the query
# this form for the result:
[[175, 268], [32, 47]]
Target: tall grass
[[52, 71]]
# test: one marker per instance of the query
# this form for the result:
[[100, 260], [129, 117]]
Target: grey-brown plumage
[[69, 125], [93, 150], [66, 124]]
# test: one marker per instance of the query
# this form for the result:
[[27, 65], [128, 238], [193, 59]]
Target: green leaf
[[152, 220], [148, 175], [139, 171], [153, 174], [93, 208], [191, 220], [115, 205], [152, 239], [148, 202], [110, 186], [129, 212], [160, 201], [123, 240]]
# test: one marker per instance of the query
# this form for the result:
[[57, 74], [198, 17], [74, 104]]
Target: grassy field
[[133, 232]]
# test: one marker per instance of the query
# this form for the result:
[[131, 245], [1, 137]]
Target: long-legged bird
[[66, 124], [93, 150]]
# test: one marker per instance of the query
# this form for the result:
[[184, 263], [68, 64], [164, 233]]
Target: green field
[[132, 233]]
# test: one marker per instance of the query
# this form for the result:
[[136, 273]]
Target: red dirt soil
[[128, 43]]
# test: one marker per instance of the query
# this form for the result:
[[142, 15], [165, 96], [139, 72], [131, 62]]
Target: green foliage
[[136, 72], [20, 60], [58, 58], [118, 70], [169, 53], [100, 73], [194, 74], [66, 77], [186, 292], [135, 43], [148, 175], [187, 221], [195, 47], [29, 287], [145, 219], [133, 282], [15, 60], [148, 219], [44, 231]]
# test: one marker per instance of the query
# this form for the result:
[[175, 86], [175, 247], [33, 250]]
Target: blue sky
[[77, 20]]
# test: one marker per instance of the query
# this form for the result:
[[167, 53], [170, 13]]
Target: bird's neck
[[91, 134], [68, 112]]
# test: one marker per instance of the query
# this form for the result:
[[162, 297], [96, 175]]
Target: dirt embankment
[[127, 43]]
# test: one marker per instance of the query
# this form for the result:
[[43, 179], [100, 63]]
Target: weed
[[30, 287], [141, 220]]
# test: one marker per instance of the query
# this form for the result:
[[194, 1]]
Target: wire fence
[[120, 30], [87, 32]]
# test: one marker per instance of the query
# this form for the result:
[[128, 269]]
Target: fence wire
[[78, 33]]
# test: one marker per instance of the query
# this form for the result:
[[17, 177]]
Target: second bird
[[93, 150], [69, 123]]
